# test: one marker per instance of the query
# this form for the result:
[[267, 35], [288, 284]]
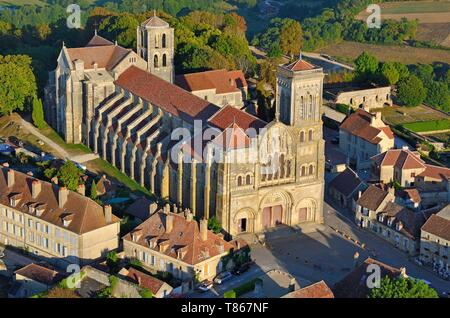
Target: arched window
[[282, 167], [310, 135], [248, 180], [156, 41], [164, 41], [311, 169], [155, 61], [288, 169], [302, 136], [303, 171], [164, 62], [239, 181]]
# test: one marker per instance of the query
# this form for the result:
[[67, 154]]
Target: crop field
[[426, 126], [404, 115]]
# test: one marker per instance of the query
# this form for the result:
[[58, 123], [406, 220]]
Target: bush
[[145, 293], [229, 294], [243, 289], [344, 109]]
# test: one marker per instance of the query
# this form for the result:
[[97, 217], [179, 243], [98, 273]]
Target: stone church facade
[[215, 161]]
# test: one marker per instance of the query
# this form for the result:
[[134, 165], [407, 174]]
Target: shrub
[[344, 109], [145, 293], [243, 289], [229, 294]]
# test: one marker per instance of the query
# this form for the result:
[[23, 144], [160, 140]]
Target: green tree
[[112, 261], [366, 66], [411, 91], [214, 225], [402, 288], [389, 73], [438, 95], [93, 195], [402, 70], [38, 114], [17, 83], [145, 293], [291, 35], [69, 175]]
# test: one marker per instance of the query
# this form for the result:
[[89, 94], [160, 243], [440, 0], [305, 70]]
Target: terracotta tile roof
[[359, 124], [232, 138], [140, 209], [85, 213], [354, 285], [165, 95], [435, 172], [316, 290], [155, 22], [222, 81], [106, 57], [438, 226], [300, 65], [104, 185], [143, 280], [228, 115], [184, 238], [411, 221], [99, 41], [372, 197], [399, 158], [347, 182], [40, 274], [410, 194]]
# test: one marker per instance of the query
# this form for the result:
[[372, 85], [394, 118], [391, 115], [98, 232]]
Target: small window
[[310, 135], [311, 169], [239, 181], [155, 61], [164, 41], [303, 171], [302, 136], [164, 61], [248, 180]]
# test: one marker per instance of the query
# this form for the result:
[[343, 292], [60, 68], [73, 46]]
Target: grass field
[[404, 54], [21, 2], [425, 126], [404, 115]]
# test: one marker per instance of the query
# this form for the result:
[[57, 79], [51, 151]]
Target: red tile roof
[[165, 95], [316, 290], [155, 22], [435, 172], [228, 115], [359, 124], [40, 274], [232, 138], [222, 81], [99, 41], [372, 198], [438, 226], [300, 65], [411, 221], [399, 158], [144, 280], [410, 194]]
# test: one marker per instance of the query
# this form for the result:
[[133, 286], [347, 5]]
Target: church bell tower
[[155, 44]]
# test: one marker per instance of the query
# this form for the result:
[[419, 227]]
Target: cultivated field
[[428, 126], [433, 16], [404, 54], [404, 115]]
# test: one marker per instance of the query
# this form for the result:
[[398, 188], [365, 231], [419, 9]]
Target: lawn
[[403, 7], [404, 115], [432, 125], [404, 54]]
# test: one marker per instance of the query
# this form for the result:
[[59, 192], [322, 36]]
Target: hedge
[[243, 289], [344, 109]]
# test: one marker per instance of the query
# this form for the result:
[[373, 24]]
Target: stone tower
[[155, 44]]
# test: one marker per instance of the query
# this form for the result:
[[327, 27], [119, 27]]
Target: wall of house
[[434, 249], [368, 99], [96, 244]]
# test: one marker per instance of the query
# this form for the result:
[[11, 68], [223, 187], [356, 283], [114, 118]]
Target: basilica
[[216, 160]]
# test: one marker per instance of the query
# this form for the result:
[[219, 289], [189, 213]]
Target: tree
[[402, 288], [389, 73], [17, 83], [438, 95], [411, 91], [112, 260], [145, 293], [366, 66], [291, 37], [93, 194], [214, 225], [402, 70], [38, 114], [69, 175]]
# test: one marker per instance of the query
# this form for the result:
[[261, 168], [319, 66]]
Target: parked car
[[222, 277], [205, 285], [242, 269]]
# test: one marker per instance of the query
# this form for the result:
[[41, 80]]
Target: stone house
[[363, 135], [158, 288], [344, 187], [61, 226], [372, 201]]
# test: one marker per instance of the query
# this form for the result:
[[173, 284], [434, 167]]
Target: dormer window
[[390, 221], [66, 223]]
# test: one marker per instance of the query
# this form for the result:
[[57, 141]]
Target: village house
[[220, 87], [363, 135], [61, 226], [435, 240], [158, 288], [177, 244], [409, 198], [344, 187], [370, 202], [316, 290]]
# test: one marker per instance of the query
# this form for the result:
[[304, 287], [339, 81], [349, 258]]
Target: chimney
[[359, 194], [403, 272], [63, 193], [6, 165], [189, 216], [167, 208], [81, 189], [108, 213], [169, 223], [54, 180], [10, 178], [152, 208], [292, 284], [204, 229], [35, 188]]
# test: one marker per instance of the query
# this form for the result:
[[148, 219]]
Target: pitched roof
[[410, 194], [228, 115], [300, 65], [411, 221], [316, 290], [359, 124], [346, 182], [98, 51], [372, 197], [184, 237], [354, 285], [438, 226], [232, 138], [104, 185], [155, 22], [399, 158], [143, 280], [435, 172], [140, 209], [85, 214], [165, 95], [222, 81], [40, 274]]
